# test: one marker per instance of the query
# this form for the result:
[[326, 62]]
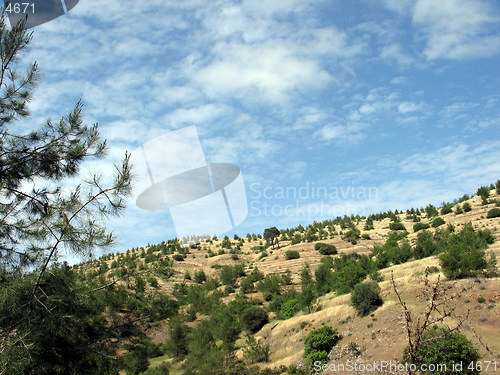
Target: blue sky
[[372, 104]]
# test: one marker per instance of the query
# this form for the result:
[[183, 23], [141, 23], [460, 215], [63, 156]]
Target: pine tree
[[40, 217]]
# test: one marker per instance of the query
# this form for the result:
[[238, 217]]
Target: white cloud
[[456, 30], [394, 52], [352, 133], [201, 115], [266, 72], [408, 107], [463, 164]]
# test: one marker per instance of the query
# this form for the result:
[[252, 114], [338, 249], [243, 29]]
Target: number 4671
[[20, 8]]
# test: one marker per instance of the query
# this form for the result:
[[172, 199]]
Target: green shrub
[[494, 212], [229, 274], [289, 308], [431, 211], [325, 249], [318, 344], [178, 257], [437, 222], [464, 253], [484, 192], [247, 285], [425, 245], [467, 207], [270, 286], [441, 346], [396, 226], [255, 351], [200, 276], [446, 209], [420, 226], [292, 254], [366, 297], [153, 282], [254, 318]]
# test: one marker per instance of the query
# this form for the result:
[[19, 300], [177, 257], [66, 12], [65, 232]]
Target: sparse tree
[[272, 235]]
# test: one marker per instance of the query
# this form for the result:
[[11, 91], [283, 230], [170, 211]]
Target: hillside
[[378, 336]]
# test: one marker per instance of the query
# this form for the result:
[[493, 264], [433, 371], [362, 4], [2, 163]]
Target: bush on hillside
[[442, 346], [289, 308], [464, 253], [318, 344], [366, 297], [446, 209], [396, 226], [494, 212], [420, 226], [466, 207], [254, 318], [292, 254], [325, 249], [437, 222], [178, 257]]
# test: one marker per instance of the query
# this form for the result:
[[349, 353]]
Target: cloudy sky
[[328, 107]]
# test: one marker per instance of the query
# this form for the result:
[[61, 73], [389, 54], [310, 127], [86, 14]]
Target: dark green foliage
[[177, 342], [467, 207], [458, 210], [318, 344], [255, 351], [425, 245], [440, 346], [349, 271], [200, 276], [292, 254], [484, 193], [162, 369], [420, 226], [368, 225], [253, 318], [226, 243], [323, 276], [271, 235], [438, 222], [365, 297], [325, 249], [494, 212], [178, 257], [270, 285], [289, 308], [431, 211], [247, 285], [392, 252], [160, 306], [153, 282], [229, 274], [463, 253], [497, 187], [50, 322], [396, 226], [352, 236], [446, 209], [69, 340]]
